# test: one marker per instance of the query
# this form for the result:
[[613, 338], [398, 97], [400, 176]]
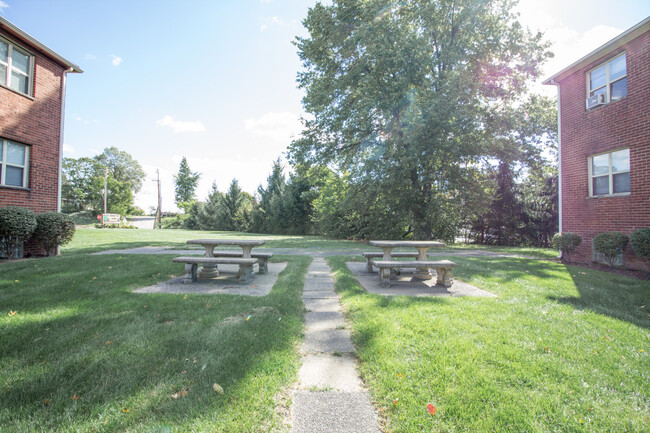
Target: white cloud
[[180, 126], [89, 56], [68, 149], [270, 21], [116, 60], [277, 127], [3, 6]]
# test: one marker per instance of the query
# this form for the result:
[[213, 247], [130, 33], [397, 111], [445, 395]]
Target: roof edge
[[39, 45], [618, 41]]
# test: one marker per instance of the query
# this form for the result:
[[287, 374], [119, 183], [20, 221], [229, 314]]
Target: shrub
[[640, 241], [53, 229], [566, 242], [16, 226], [610, 245]]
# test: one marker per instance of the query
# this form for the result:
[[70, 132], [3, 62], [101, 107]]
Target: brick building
[[604, 130], [32, 96]]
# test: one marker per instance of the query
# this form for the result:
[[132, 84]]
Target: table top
[[214, 242], [407, 244]]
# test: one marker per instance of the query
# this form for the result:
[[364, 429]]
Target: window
[[16, 67], [14, 162], [609, 173], [609, 79]]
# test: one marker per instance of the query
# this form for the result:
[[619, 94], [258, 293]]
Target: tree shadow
[[617, 296]]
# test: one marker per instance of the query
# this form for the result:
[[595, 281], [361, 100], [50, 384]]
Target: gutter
[[63, 92], [559, 156]]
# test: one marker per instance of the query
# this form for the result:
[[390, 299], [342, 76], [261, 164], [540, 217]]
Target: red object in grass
[[431, 408]]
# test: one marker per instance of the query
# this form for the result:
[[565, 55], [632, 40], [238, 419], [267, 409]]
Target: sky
[[215, 80]]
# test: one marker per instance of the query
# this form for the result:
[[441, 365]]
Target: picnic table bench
[[245, 273], [262, 257], [442, 267], [375, 255]]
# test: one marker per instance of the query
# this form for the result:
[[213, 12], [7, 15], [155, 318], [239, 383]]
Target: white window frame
[[610, 175], [608, 82], [4, 164], [6, 80]]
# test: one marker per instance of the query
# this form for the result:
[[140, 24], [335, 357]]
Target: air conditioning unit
[[596, 100]]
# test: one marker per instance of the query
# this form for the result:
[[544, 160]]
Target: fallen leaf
[[217, 388], [395, 401], [400, 375], [431, 408], [47, 401], [125, 410], [108, 343], [16, 281], [248, 318], [185, 297], [75, 397], [12, 313]]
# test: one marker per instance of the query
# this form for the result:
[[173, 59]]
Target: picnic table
[[421, 246], [421, 263], [210, 270]]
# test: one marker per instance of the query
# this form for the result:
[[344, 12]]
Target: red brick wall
[[621, 124], [35, 122]]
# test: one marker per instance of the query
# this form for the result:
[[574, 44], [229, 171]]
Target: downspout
[[559, 156], [58, 201]]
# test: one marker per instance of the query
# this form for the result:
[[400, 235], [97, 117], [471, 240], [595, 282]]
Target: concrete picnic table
[[421, 246], [210, 271]]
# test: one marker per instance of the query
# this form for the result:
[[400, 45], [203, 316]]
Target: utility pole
[[158, 220]]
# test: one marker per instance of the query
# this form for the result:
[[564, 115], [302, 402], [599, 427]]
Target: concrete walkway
[[330, 397]]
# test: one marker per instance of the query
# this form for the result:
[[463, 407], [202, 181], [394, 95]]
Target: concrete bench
[[263, 258], [376, 255], [245, 273], [442, 267]]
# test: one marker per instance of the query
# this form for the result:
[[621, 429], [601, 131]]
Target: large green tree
[[83, 181], [185, 183], [410, 97]]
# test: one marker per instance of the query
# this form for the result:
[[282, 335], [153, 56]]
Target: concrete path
[[330, 397]]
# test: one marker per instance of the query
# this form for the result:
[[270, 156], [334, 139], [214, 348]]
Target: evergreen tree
[[185, 183]]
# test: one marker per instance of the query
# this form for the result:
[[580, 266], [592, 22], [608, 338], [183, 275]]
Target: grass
[[562, 349], [88, 240], [81, 352]]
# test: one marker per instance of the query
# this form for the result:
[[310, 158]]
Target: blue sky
[[215, 80]]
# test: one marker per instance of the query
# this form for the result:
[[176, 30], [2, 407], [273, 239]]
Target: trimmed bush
[[640, 241], [16, 226], [53, 229], [566, 242], [610, 245]]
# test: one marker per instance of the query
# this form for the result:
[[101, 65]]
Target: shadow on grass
[[116, 350], [616, 296]]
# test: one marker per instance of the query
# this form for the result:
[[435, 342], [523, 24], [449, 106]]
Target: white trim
[[4, 163], [602, 51], [31, 59], [32, 41], [610, 174]]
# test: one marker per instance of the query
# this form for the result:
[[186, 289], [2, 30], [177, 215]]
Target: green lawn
[[562, 349], [80, 352], [90, 240]]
